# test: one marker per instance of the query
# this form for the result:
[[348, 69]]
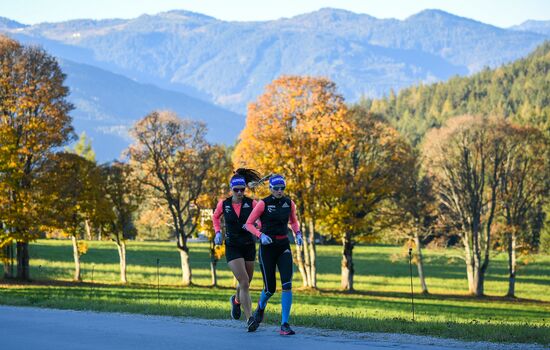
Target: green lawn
[[380, 304]]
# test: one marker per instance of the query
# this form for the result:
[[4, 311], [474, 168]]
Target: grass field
[[381, 302]]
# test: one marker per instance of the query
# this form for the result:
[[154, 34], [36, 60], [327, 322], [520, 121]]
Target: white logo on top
[[285, 205], [245, 205], [227, 209], [271, 208]]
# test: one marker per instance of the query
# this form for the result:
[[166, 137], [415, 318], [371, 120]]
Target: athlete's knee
[[244, 283], [270, 289], [287, 286]]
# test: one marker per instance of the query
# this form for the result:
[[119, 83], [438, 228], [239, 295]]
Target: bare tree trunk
[[312, 255], [23, 270], [88, 230], [307, 258], [213, 264], [512, 265], [420, 263], [480, 282], [7, 259], [76, 256], [300, 259], [301, 268], [307, 262], [475, 277], [185, 266], [122, 259], [470, 275], [347, 262]]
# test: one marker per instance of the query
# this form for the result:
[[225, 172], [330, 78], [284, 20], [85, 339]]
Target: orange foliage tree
[[369, 169], [294, 129], [34, 120]]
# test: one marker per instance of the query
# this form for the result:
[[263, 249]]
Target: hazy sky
[[502, 13]]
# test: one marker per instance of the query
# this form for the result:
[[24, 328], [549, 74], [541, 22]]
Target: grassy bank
[[380, 304]]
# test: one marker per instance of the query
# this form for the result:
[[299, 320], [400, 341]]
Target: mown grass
[[381, 302]]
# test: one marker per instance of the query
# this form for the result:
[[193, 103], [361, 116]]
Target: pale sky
[[502, 13]]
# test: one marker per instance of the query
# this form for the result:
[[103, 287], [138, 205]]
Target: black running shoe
[[259, 314], [286, 330], [252, 324], [235, 308]]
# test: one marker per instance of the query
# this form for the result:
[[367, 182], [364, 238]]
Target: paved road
[[35, 328]]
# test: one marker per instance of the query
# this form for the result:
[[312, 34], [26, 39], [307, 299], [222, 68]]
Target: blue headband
[[277, 180], [237, 180]]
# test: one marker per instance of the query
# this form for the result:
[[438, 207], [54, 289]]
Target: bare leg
[[239, 269]]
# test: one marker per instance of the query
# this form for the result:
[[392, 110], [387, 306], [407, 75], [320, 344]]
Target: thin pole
[[158, 282], [12, 256], [411, 271], [92, 286]]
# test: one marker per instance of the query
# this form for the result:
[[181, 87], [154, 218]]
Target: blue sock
[[264, 297], [286, 303]]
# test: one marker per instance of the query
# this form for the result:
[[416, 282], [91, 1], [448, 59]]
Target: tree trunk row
[[121, 245], [420, 263], [348, 270]]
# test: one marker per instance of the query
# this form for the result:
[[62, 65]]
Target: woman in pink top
[[240, 245], [276, 212]]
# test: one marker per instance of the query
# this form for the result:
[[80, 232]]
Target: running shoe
[[252, 324], [235, 308], [259, 314], [286, 330]]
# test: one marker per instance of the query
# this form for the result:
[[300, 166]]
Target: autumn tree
[[83, 147], [6, 242], [153, 219], [416, 208], [369, 169], [73, 190], [465, 159], [124, 195], [34, 120], [293, 129], [171, 156], [524, 188], [216, 186]]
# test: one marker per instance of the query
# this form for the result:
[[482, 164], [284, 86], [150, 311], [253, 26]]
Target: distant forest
[[519, 91]]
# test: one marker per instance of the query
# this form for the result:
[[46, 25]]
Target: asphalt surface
[[36, 328]]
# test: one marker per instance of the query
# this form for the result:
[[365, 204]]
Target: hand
[[299, 240], [218, 238], [265, 239]]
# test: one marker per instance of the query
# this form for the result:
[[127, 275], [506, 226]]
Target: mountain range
[[209, 69]]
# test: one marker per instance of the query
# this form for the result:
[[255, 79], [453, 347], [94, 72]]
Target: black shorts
[[246, 251]]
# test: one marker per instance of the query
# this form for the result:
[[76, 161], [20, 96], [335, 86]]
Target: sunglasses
[[278, 188], [239, 189]]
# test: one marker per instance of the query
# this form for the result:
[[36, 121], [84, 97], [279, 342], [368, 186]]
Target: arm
[[294, 225], [254, 216], [217, 215], [258, 222]]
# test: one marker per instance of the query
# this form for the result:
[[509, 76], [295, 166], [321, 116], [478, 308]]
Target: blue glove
[[218, 238], [299, 240], [265, 239]]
